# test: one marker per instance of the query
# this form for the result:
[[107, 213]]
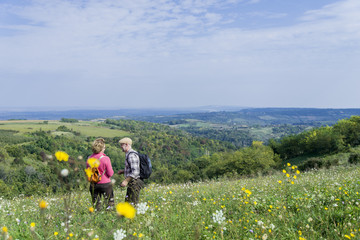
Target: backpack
[[95, 175], [145, 165]]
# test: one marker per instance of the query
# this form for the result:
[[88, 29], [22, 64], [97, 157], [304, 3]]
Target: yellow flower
[[295, 177], [43, 204], [280, 181], [288, 164], [56, 233], [32, 224], [248, 192], [88, 172], [347, 236], [297, 172], [292, 182], [91, 209], [125, 209], [71, 234], [93, 162], [287, 175], [141, 235], [301, 238], [284, 171], [4, 229], [62, 156]]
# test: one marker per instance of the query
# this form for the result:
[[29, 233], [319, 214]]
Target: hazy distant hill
[[263, 116], [213, 114]]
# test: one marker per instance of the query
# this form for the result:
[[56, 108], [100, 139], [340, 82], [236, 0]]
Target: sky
[[109, 54]]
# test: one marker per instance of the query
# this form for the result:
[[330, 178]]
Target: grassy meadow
[[321, 204], [86, 128]]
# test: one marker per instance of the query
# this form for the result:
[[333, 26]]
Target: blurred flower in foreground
[[125, 209], [43, 204], [62, 156], [88, 172], [64, 172], [93, 162], [119, 234]]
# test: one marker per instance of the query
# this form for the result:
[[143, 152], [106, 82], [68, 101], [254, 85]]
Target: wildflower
[[91, 209], [301, 238], [218, 217], [280, 181], [93, 162], [64, 172], [297, 172], [88, 172], [62, 156], [56, 233], [288, 164], [264, 237], [43, 204], [142, 208], [4, 229], [32, 226], [141, 235], [287, 175], [284, 171], [125, 209], [347, 236], [295, 177]]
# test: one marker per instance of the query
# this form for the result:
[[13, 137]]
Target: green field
[[86, 128], [315, 205]]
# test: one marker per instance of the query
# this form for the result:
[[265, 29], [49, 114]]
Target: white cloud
[[175, 44]]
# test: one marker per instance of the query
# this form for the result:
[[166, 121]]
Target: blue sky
[[170, 54]]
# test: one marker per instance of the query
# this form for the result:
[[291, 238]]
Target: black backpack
[[145, 165]]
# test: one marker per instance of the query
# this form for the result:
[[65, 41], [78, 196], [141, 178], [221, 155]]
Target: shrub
[[354, 158], [311, 163]]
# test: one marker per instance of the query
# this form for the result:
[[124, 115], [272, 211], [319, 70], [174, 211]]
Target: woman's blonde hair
[[98, 145]]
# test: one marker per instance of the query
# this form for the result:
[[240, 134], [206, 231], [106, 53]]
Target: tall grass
[[320, 204]]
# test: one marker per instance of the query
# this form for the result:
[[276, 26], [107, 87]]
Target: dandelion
[[288, 164], [32, 226], [142, 208], [93, 162], [62, 156], [297, 172], [4, 229], [218, 217], [56, 233], [280, 181], [43, 204], [347, 236], [64, 172], [125, 209], [284, 171], [88, 172], [91, 209]]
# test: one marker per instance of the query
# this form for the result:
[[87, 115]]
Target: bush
[[311, 163], [354, 158]]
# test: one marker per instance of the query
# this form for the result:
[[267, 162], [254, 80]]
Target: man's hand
[[121, 171], [124, 183]]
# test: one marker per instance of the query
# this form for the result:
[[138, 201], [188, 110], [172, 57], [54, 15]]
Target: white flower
[[260, 223], [142, 208], [64, 172], [119, 234], [218, 217], [113, 181], [272, 226], [264, 237]]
